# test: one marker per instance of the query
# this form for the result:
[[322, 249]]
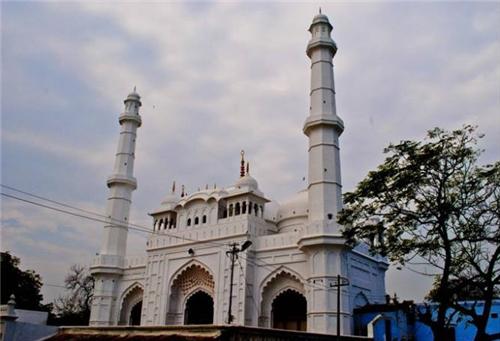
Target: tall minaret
[[321, 240], [108, 265]]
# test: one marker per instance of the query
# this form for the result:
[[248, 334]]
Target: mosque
[[231, 255]]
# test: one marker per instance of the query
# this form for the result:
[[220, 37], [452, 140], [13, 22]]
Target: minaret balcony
[[321, 42], [111, 264], [323, 120], [122, 179], [127, 117]]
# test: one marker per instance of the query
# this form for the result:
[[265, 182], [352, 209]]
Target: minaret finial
[[319, 9], [242, 167], [135, 88], [248, 168], [182, 191], [173, 187]]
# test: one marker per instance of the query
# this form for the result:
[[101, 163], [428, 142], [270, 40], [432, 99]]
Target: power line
[[120, 223]]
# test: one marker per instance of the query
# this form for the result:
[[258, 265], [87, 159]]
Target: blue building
[[397, 321]]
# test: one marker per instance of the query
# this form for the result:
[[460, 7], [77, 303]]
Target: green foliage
[[25, 285], [430, 200]]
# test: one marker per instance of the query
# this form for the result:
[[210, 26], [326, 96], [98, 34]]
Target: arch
[[196, 220], [131, 304], [160, 224], [189, 279], [281, 280], [360, 300], [189, 222], [256, 209], [204, 219], [244, 207], [289, 311], [192, 312], [230, 210], [237, 209]]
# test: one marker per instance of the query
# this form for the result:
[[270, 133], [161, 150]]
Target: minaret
[[321, 240], [108, 265]]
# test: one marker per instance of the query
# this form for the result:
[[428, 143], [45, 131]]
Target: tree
[[24, 285], [74, 308], [430, 200]]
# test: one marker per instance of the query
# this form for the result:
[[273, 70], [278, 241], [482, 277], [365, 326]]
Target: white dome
[[170, 199], [296, 206], [247, 181]]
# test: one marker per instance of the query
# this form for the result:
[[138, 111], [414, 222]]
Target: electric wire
[[120, 223]]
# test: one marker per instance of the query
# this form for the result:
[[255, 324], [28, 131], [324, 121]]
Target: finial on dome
[[215, 185], [248, 168], [182, 191], [135, 88], [319, 9], [173, 187], [242, 167]]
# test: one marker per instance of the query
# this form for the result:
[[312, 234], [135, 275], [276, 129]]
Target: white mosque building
[[285, 279]]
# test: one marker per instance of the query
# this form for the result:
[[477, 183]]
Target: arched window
[[256, 209], [166, 224], [189, 222], [237, 209], [204, 219], [224, 213], [196, 221], [244, 207], [231, 210]]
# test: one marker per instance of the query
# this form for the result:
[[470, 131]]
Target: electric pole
[[233, 254]]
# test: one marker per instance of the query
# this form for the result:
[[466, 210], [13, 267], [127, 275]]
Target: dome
[[170, 199], [295, 206], [133, 96], [247, 181]]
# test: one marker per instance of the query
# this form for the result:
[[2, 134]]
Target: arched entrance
[[131, 308], [278, 283], [289, 311], [192, 296], [135, 314], [199, 309]]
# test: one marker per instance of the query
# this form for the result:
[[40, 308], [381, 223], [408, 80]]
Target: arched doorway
[[188, 296], [130, 313], [135, 314], [199, 309], [289, 311]]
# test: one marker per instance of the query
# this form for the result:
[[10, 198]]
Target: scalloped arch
[[281, 270]]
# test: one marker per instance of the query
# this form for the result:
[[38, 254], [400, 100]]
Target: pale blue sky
[[216, 78]]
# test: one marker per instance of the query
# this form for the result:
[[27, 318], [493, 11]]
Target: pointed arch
[[189, 279], [276, 283], [130, 301], [360, 300]]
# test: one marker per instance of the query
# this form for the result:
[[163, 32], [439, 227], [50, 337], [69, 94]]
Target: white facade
[[286, 279]]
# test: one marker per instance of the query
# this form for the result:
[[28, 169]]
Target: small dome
[[134, 96], [295, 206], [247, 181], [170, 199]]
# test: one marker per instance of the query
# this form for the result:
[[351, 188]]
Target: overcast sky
[[215, 79]]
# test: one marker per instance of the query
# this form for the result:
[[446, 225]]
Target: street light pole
[[233, 253]]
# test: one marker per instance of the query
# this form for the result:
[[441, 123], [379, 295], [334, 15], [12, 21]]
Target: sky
[[216, 78]]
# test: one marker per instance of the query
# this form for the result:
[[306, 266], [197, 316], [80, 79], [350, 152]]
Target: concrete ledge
[[191, 333]]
